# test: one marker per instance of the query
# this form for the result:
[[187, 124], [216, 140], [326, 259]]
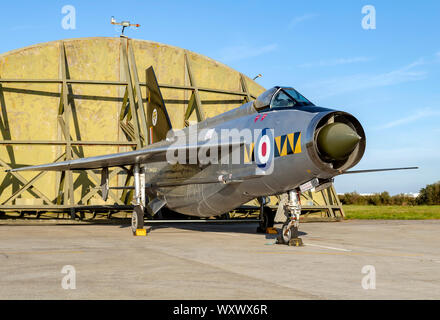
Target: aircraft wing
[[146, 155]]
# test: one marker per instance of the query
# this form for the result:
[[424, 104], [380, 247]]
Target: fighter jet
[[280, 143]]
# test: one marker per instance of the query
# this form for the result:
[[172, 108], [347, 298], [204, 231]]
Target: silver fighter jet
[[281, 143]]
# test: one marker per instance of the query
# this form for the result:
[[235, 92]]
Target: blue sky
[[388, 77]]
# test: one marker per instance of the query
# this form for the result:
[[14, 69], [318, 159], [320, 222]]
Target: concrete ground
[[199, 261]]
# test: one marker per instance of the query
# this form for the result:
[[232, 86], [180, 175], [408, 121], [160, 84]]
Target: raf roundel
[[154, 117], [264, 149]]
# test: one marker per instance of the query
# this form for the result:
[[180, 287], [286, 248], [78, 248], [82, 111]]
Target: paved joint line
[[325, 247]]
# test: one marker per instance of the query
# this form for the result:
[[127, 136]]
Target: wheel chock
[[295, 242], [271, 230], [141, 232]]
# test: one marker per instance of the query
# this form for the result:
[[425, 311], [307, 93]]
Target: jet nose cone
[[337, 140]]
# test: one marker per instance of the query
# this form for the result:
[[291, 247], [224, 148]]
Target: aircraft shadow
[[238, 228]]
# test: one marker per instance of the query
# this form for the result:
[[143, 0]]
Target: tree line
[[430, 195]]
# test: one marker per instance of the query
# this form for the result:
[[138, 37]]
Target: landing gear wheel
[[137, 219], [267, 218], [286, 235]]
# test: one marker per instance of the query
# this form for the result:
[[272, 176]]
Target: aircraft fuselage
[[295, 160]]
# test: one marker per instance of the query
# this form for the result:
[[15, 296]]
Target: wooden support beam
[[338, 202], [24, 181], [191, 107], [30, 184], [124, 83], [127, 74], [198, 103], [328, 203], [67, 114], [244, 88], [137, 89], [124, 106]]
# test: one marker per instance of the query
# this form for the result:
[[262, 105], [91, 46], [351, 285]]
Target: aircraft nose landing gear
[[289, 232]]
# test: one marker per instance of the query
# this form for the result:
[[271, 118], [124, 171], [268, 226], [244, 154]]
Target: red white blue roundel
[[264, 149]]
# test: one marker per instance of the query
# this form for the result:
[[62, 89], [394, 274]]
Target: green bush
[[430, 195], [378, 199]]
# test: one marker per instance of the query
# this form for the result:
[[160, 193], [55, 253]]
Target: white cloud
[[244, 52], [297, 20], [342, 85], [420, 114], [335, 62]]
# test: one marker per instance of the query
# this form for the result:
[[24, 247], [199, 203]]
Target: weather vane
[[124, 25]]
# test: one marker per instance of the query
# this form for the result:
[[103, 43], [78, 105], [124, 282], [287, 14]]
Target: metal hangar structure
[[85, 97]]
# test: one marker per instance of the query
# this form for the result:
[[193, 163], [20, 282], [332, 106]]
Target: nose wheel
[[289, 232], [289, 235]]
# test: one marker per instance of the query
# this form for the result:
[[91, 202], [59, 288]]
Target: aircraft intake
[[336, 141]]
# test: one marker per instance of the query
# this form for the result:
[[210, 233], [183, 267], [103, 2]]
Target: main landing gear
[[267, 217], [289, 232], [137, 217]]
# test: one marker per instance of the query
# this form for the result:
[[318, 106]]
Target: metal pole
[[137, 184], [142, 187]]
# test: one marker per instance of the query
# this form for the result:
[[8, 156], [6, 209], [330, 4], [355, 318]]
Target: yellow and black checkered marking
[[284, 145], [287, 144]]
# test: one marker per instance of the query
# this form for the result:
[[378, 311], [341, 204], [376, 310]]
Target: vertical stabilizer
[[158, 120]]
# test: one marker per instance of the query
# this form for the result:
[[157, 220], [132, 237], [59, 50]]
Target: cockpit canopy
[[280, 98]]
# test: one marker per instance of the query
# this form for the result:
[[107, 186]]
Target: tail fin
[[158, 121]]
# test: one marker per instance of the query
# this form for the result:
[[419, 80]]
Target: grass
[[392, 212]]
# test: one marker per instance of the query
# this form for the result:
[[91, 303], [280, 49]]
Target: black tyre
[[286, 235], [267, 218], [137, 219]]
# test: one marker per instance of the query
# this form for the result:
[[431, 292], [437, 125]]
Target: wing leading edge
[[146, 155]]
